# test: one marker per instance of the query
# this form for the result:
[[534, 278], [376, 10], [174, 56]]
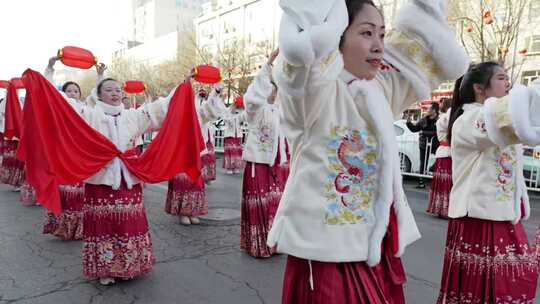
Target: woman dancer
[[343, 216], [487, 257]]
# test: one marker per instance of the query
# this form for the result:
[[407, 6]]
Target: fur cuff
[[295, 43], [524, 109], [310, 31], [436, 35]]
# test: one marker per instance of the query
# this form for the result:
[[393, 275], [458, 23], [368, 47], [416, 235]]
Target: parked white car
[[409, 151]]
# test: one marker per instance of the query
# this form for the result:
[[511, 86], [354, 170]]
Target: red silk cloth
[[59, 147], [14, 114]]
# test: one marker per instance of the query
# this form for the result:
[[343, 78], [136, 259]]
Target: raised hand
[[52, 61], [273, 56], [100, 68]]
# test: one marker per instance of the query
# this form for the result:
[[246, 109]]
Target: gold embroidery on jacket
[[411, 47], [502, 118]]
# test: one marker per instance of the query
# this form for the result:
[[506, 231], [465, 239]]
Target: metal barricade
[[219, 134], [409, 152]]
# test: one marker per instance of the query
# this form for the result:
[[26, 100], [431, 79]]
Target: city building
[[161, 30], [249, 25]]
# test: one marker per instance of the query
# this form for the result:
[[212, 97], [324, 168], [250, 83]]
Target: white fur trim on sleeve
[[436, 37], [311, 30], [522, 101]]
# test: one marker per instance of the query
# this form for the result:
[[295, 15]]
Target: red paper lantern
[[134, 87], [207, 74], [4, 84], [77, 57], [469, 29], [239, 101], [17, 83]]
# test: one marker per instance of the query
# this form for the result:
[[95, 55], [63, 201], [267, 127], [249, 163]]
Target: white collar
[[110, 109], [349, 77]]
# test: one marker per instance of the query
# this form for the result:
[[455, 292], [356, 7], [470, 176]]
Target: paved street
[[197, 264]]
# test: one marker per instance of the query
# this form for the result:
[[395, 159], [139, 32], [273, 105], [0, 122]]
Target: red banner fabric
[[59, 147], [13, 119]]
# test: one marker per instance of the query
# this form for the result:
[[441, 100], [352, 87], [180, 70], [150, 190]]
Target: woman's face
[[363, 45], [499, 84], [72, 91], [111, 93]]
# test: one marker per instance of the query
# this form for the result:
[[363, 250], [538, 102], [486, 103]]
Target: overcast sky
[[33, 30]]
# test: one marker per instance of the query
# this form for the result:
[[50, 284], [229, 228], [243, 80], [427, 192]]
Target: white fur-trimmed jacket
[[487, 155], [442, 135], [345, 171], [233, 120], [265, 136], [207, 112], [122, 127]]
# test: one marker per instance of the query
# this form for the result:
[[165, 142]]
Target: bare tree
[[238, 62], [489, 29]]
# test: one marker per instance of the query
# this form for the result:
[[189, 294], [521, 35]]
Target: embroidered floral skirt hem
[[69, 224], [261, 192], [116, 240], [487, 262], [185, 197], [28, 194], [232, 154], [348, 282], [1, 151], [208, 160], [439, 194], [12, 169]]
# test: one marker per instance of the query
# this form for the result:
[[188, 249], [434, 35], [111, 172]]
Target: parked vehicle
[[531, 166], [409, 151]]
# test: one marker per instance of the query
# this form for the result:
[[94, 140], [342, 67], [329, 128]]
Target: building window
[[532, 44], [534, 11], [529, 76]]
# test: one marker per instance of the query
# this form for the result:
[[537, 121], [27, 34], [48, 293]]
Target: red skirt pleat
[[348, 282], [232, 154], [441, 185], [487, 262], [208, 160], [12, 169], [184, 197], [116, 240], [69, 224]]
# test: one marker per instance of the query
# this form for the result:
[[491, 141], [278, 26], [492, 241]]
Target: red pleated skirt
[[232, 154], [1, 150], [12, 169], [208, 160], [487, 262], [184, 197], [69, 224], [261, 192], [28, 194], [441, 185], [349, 282], [116, 240]]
